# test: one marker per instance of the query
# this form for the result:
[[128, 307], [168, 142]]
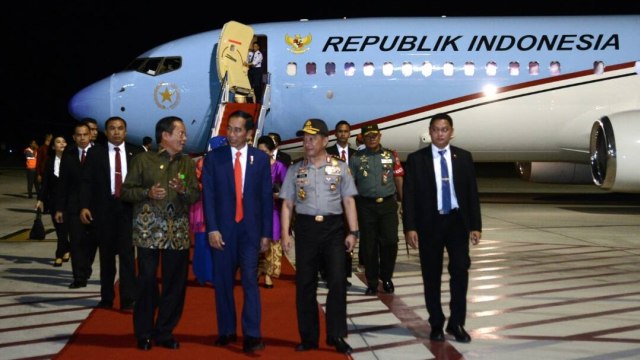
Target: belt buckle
[[379, 200], [319, 218]]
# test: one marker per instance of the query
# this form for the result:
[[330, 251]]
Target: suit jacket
[[420, 192], [49, 186], [219, 197], [95, 191], [333, 150], [68, 194], [284, 157]]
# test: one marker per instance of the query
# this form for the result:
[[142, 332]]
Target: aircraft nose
[[92, 101]]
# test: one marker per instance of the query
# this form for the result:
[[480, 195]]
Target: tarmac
[[555, 276]]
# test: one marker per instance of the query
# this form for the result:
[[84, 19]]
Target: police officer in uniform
[[319, 187], [378, 175]]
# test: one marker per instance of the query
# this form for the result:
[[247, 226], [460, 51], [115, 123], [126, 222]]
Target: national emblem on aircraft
[[298, 44]]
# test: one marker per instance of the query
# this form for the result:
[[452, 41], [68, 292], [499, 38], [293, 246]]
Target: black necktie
[[84, 155], [445, 186]]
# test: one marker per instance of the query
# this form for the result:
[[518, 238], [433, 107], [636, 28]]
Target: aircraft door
[[233, 48]]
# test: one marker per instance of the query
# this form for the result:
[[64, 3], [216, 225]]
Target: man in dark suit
[[102, 207], [67, 205], [441, 210], [343, 151], [279, 154], [341, 148], [238, 209]]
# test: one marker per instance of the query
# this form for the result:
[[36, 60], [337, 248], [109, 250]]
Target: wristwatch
[[355, 233]]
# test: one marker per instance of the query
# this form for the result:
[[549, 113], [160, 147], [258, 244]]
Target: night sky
[[52, 49]]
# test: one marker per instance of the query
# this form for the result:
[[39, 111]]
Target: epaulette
[[297, 160], [335, 157]]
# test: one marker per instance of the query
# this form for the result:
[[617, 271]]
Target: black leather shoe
[[170, 343], [371, 291], [76, 284], [340, 345], [251, 344], [144, 344], [459, 333], [224, 340], [388, 287], [103, 304], [348, 283], [268, 286], [306, 346], [436, 334]]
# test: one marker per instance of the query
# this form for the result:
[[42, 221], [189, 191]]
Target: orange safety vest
[[31, 158]]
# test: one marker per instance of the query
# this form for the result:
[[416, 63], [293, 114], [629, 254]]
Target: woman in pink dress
[[271, 265]]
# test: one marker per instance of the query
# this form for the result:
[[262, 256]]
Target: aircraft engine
[[554, 172], [615, 152]]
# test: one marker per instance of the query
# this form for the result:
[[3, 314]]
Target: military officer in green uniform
[[378, 174], [319, 187]]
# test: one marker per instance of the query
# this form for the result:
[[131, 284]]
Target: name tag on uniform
[[387, 161], [332, 170]]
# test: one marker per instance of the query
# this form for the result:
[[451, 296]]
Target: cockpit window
[[156, 65]]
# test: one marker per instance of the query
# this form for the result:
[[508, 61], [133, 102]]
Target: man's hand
[[215, 240], [85, 216], [411, 237], [350, 242], [474, 237], [264, 244], [287, 242]]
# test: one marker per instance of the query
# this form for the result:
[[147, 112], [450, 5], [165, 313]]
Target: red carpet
[[108, 334]]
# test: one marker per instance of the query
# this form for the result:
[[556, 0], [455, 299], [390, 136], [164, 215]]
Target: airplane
[[557, 95]]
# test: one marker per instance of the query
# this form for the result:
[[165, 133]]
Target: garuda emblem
[[298, 44]]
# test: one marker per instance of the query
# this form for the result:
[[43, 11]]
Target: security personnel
[[378, 175], [319, 187]]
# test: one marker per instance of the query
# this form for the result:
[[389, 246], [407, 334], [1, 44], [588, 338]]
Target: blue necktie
[[445, 186]]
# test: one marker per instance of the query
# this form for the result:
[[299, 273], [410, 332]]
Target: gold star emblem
[[166, 95]]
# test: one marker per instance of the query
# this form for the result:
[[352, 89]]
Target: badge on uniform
[[332, 187], [302, 194]]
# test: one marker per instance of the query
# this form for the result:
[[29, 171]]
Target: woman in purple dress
[[271, 265]]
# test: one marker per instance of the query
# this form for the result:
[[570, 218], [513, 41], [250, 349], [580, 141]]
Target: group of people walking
[[117, 197]]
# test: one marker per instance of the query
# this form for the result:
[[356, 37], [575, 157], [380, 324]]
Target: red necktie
[[118, 177], [237, 174], [344, 155], [84, 155]]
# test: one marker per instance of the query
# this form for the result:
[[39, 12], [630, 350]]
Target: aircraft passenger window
[[368, 69], [349, 69], [427, 69], [407, 68], [387, 69], [311, 68], [292, 69], [598, 67], [534, 68], [554, 67], [448, 68], [330, 68], [469, 68], [492, 68], [514, 68]]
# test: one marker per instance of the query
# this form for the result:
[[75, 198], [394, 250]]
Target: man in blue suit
[[238, 205]]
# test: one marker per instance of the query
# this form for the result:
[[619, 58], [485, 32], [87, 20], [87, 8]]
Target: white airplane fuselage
[[520, 116]]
